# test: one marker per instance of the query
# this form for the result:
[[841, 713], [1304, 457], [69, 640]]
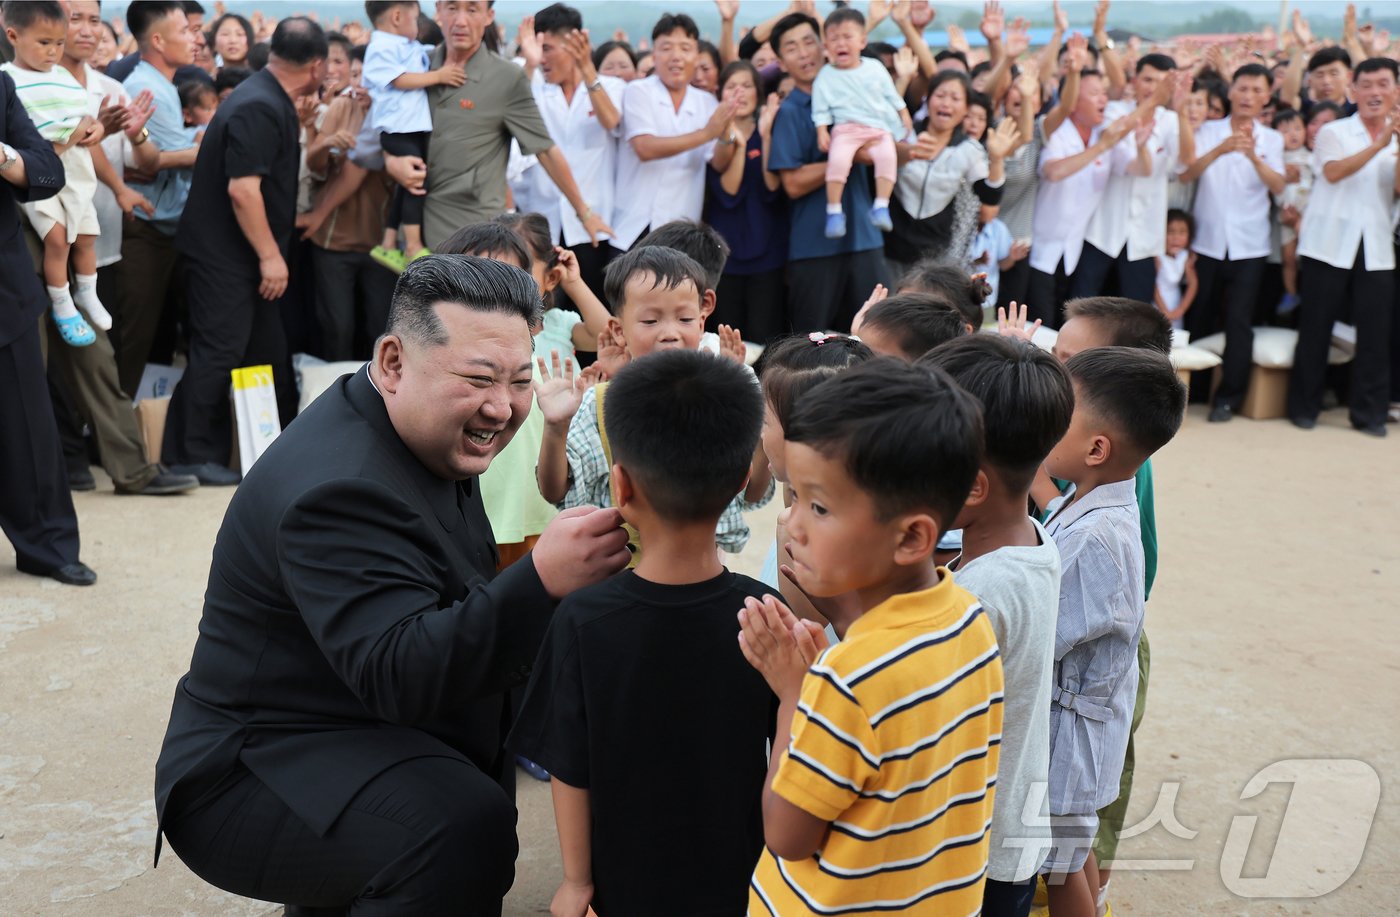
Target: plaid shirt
[[589, 478]]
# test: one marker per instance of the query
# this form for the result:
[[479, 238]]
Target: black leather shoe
[[165, 482], [210, 474], [1221, 413], [81, 479], [1376, 429], [74, 574], [1304, 423]]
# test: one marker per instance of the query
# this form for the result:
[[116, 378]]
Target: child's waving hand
[[558, 393]]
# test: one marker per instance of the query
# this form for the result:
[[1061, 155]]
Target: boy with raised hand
[[643, 667], [1128, 403], [657, 299], [1013, 567], [884, 763]]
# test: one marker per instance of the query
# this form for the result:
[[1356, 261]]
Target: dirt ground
[[1275, 636]]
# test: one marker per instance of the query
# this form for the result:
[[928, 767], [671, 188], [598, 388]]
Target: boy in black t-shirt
[[641, 705]]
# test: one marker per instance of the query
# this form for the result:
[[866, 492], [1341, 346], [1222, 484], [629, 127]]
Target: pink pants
[[846, 141]]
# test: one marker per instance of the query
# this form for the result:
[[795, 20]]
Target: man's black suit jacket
[[353, 620], [22, 296]]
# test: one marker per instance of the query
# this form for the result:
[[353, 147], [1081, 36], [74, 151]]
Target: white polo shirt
[[1343, 216], [1063, 208], [1133, 211], [1232, 201], [661, 190], [590, 149]]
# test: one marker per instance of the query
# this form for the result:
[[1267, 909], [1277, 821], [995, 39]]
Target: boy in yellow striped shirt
[[880, 789]]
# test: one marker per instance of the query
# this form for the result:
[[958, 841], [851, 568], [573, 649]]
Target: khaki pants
[[145, 278]]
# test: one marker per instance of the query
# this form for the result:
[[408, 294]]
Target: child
[[857, 96], [1012, 566], [994, 251], [884, 761], [198, 102], [967, 293], [657, 304], [66, 222], [1176, 270], [643, 667], [1297, 166], [397, 76], [1128, 403], [709, 250], [909, 325]]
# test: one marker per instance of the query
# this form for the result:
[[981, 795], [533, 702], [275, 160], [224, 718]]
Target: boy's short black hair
[[230, 78], [558, 19], [844, 14], [487, 240], [141, 15], [377, 8], [908, 436], [684, 425], [939, 278], [21, 14], [1162, 63], [1258, 70], [787, 24], [670, 22], [667, 267], [918, 322], [1376, 65], [1181, 216], [1129, 322], [696, 239], [1026, 396], [1135, 392], [1329, 55], [789, 367], [192, 91], [1283, 116]]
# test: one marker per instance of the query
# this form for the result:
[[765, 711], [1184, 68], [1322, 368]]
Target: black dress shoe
[[81, 479], [210, 474], [1304, 423], [1375, 429], [1221, 413], [74, 574], [165, 482]]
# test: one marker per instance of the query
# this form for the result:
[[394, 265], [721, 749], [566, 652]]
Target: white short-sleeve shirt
[[1232, 201], [660, 190], [1063, 208], [1133, 211], [1354, 212]]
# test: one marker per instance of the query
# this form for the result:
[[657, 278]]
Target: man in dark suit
[[338, 739], [36, 510]]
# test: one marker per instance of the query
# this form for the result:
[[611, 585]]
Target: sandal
[[75, 330]]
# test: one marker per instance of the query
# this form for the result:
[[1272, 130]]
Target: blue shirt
[[795, 145], [993, 241], [171, 188], [754, 221], [396, 111]]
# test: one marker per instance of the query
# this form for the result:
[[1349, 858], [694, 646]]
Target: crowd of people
[[949, 684]]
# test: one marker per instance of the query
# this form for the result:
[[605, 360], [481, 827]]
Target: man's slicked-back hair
[[21, 14], [790, 367], [558, 19], [698, 240], [1026, 396], [298, 41], [787, 24], [1135, 392], [684, 425], [1129, 322], [670, 22], [475, 283], [1376, 65], [141, 15], [918, 322], [487, 240], [667, 268], [951, 281], [907, 435]]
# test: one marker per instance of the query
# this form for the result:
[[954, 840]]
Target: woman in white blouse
[[950, 178]]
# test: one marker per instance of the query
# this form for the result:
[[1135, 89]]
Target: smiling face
[[106, 49], [337, 69], [674, 56], [654, 318], [844, 41], [618, 63], [1375, 93], [457, 405], [231, 42]]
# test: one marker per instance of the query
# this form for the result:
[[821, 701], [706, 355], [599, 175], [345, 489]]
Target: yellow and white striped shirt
[[895, 742]]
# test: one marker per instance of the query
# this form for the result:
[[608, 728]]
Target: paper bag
[[150, 419], [255, 412]]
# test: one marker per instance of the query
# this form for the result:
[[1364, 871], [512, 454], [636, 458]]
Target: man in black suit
[[338, 739], [36, 510]]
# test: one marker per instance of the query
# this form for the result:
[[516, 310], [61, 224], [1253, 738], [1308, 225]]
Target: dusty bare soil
[[1275, 633]]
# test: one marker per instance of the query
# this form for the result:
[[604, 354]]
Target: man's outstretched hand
[[581, 546]]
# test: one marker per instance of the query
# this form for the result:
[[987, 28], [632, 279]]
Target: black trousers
[[824, 294], [147, 276], [1014, 284], [231, 325], [36, 510], [352, 301], [405, 208], [1008, 899], [753, 303], [1326, 292], [1136, 279], [1226, 297], [1395, 344], [429, 836], [1046, 295]]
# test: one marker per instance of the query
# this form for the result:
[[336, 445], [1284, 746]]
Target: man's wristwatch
[[10, 155], [142, 137], [595, 85]]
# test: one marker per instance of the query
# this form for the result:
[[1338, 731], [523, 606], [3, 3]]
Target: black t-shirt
[[254, 132], [642, 695]]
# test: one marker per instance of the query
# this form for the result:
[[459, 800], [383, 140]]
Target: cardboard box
[[150, 419], [1267, 396]]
